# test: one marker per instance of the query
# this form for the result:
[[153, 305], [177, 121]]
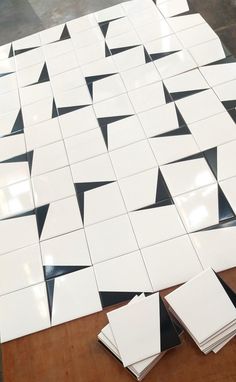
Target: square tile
[[87, 37], [13, 172], [29, 58], [141, 17], [176, 63], [35, 93], [179, 23], [130, 57], [72, 99], [26, 43], [81, 23], [58, 48], [227, 94], [42, 134], [226, 159], [162, 47], [92, 52], [116, 27], [140, 76], [78, 121], [158, 28], [67, 80], [8, 83], [196, 35], [12, 146], [62, 63], [123, 42], [147, 97], [114, 107], [105, 88], [208, 52]]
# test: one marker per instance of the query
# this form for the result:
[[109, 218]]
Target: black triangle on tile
[[105, 121], [53, 271], [20, 51], [17, 158], [232, 114], [183, 14], [225, 224], [50, 292], [97, 78], [44, 76], [69, 109], [83, 187], [231, 294], [80, 199], [157, 56], [104, 130], [41, 215], [189, 157], [111, 298], [180, 118], [107, 51], [90, 89], [211, 158], [226, 60], [104, 28], [229, 104], [122, 49], [179, 95], [30, 155], [11, 54], [5, 74], [184, 130], [168, 97], [225, 209], [65, 34], [54, 109], [168, 334], [162, 191], [163, 203], [12, 134], [21, 215], [18, 124], [146, 55]]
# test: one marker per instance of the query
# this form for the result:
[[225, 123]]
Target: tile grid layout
[[117, 161]]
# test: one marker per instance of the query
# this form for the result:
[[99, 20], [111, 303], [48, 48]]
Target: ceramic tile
[[20, 269], [68, 80], [87, 37], [13, 172], [116, 27], [213, 131], [210, 244], [33, 318], [62, 63], [26, 43], [156, 29], [196, 35], [140, 76], [8, 83], [147, 97], [30, 75], [146, 220], [199, 208], [74, 295], [173, 7], [123, 42], [35, 93], [163, 47], [227, 94], [29, 58], [12, 146], [126, 273], [77, 121], [57, 33], [131, 7], [98, 68], [81, 23], [59, 217], [52, 186], [9, 102], [58, 48], [22, 228], [85, 146], [175, 63], [109, 13], [39, 111], [7, 66], [109, 239], [131, 57], [164, 262], [179, 23], [117, 106], [92, 52], [16, 199], [226, 155], [132, 159], [72, 99], [146, 16], [228, 187], [109, 87], [5, 51], [42, 134], [220, 73], [11, 122], [208, 52]]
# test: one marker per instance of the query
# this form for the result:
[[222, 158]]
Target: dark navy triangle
[[162, 191], [180, 118], [179, 95], [97, 78], [104, 28], [231, 294], [225, 209], [65, 33], [123, 49], [111, 298], [17, 158], [5, 74], [21, 215], [157, 56], [226, 60], [183, 13], [44, 76], [168, 334], [108, 120], [83, 187], [69, 109], [30, 155], [146, 55], [54, 109], [104, 130], [50, 291], [211, 158], [189, 157], [232, 114], [90, 89], [167, 94], [18, 124], [52, 271], [163, 203], [225, 224], [229, 104], [20, 51], [80, 199], [41, 215], [184, 130], [11, 54], [107, 51]]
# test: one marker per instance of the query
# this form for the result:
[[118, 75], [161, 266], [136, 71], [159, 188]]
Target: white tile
[[30, 306], [51, 34], [226, 92], [185, 176], [30, 75], [135, 338], [155, 30], [11, 173], [16, 199], [110, 13], [140, 76], [52, 186], [8, 83], [35, 93], [109, 87], [11, 122], [110, 239], [63, 216], [5, 51], [68, 80], [131, 7], [62, 63], [84, 146], [130, 58], [87, 37], [32, 41], [30, 58], [147, 97], [20, 269], [226, 160], [66, 250], [213, 131], [199, 106], [92, 52], [75, 295], [75, 97], [58, 48], [173, 7], [7, 66], [171, 262], [196, 35], [37, 112], [9, 102], [22, 229], [114, 107], [99, 67], [11, 146], [144, 17], [145, 222], [220, 73], [124, 40], [199, 208], [208, 52], [175, 63], [125, 273], [132, 159], [185, 82], [81, 23], [119, 26], [78, 121], [228, 187], [179, 23], [42, 134], [162, 46]]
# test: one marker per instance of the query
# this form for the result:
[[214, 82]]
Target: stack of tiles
[[140, 333], [206, 307]]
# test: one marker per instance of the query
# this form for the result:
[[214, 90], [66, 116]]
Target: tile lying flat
[[7, 66], [117, 106], [60, 64], [13, 172], [20, 269], [196, 35], [110, 13], [175, 63], [173, 7], [5, 51], [92, 53], [8, 83], [29, 58], [30, 75], [11, 122], [163, 47], [73, 295], [87, 37], [115, 27], [30, 306], [67, 80], [43, 134], [81, 23], [39, 111], [122, 42], [158, 28], [106, 88], [131, 7], [165, 261], [35, 93], [131, 57], [26, 43], [140, 76], [77, 121], [54, 34], [111, 238], [58, 48], [226, 156], [145, 16], [72, 99], [179, 23], [220, 73], [208, 52], [12, 146], [147, 97]]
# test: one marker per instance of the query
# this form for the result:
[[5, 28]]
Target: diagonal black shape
[[104, 122], [50, 292], [111, 298], [224, 208], [157, 56], [167, 94], [30, 155], [211, 158], [104, 130], [69, 109], [180, 118], [232, 114], [189, 157], [107, 51], [54, 109], [230, 104], [226, 60], [18, 124], [231, 294], [183, 94], [168, 334], [52, 271], [147, 56], [20, 51], [162, 191], [41, 215], [225, 224], [184, 130], [163, 203], [104, 28], [65, 34], [11, 54], [21, 215], [44, 76], [90, 89], [5, 74], [91, 79], [17, 158], [122, 49]]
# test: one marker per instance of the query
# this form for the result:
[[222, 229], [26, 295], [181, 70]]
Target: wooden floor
[[70, 353]]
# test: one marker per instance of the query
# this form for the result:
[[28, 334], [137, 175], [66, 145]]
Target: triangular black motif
[[146, 55], [11, 52], [211, 158], [50, 292], [163, 203], [97, 78], [54, 109], [168, 334], [229, 104], [41, 215], [157, 56], [104, 130], [20, 51], [17, 158], [224, 208], [111, 298], [69, 109], [65, 33], [104, 28], [225, 224], [21, 215], [80, 198], [228, 290], [167, 94], [184, 130], [226, 60], [18, 124], [52, 271], [232, 114], [5, 74], [105, 121], [90, 89], [30, 155], [122, 49], [189, 157], [162, 191], [44, 76], [107, 51], [180, 118], [183, 94]]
